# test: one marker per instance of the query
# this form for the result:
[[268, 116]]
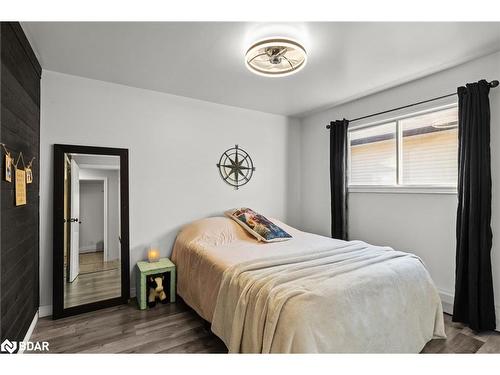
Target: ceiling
[[205, 60], [90, 161]]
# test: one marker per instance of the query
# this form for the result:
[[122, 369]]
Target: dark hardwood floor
[[461, 339], [169, 328], [175, 328]]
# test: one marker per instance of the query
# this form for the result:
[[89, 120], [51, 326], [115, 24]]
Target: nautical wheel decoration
[[236, 167]]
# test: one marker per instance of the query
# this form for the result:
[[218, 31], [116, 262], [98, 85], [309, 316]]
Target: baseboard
[[44, 311], [89, 249], [447, 299], [30, 332]]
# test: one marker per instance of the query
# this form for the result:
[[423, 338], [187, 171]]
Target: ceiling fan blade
[[253, 58], [282, 52], [291, 65]]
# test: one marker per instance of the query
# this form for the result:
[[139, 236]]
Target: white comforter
[[352, 297]]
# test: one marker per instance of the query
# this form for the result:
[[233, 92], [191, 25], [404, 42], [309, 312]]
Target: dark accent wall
[[20, 130]]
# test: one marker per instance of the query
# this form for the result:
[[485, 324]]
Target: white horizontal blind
[[430, 148], [373, 155], [423, 148]]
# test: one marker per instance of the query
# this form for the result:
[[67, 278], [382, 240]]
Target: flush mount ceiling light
[[276, 57]]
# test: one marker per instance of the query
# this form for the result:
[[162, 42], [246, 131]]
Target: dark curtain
[[338, 177], [474, 303]]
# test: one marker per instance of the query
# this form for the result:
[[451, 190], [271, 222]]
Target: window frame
[[398, 187]]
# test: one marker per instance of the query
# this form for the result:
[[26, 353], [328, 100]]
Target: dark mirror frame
[[58, 310]]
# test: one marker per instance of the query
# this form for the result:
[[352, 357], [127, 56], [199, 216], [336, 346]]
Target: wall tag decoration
[[23, 176], [20, 187], [29, 175], [8, 167]]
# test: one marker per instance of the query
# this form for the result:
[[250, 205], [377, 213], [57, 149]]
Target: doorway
[[93, 237]]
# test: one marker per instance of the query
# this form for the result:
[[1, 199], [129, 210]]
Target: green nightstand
[[145, 269]]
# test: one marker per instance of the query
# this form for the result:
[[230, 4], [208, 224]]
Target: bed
[[310, 294]]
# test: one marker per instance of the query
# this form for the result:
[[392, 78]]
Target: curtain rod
[[492, 84]]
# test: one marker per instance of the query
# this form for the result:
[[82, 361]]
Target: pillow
[[257, 225]]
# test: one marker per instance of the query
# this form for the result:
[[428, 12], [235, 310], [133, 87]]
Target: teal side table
[[145, 269]]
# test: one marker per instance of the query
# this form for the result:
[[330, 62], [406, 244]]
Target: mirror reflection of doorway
[[91, 229]]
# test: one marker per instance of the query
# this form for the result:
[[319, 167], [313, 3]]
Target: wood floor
[[94, 262], [169, 328], [461, 339], [175, 328], [92, 287]]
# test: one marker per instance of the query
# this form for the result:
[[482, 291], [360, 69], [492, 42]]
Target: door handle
[[73, 220]]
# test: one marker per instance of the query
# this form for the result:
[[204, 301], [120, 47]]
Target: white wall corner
[[27, 337], [44, 311], [447, 301]]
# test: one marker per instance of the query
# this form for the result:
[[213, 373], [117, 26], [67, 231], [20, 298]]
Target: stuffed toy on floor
[[155, 288]]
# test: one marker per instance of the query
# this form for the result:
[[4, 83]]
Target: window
[[407, 152]]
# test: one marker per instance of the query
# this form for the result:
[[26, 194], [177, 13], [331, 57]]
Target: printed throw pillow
[[257, 225]]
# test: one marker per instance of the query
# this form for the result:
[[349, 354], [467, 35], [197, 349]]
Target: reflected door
[[74, 252]]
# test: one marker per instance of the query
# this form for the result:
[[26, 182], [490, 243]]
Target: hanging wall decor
[[8, 167], [236, 167], [23, 176], [29, 175], [20, 187]]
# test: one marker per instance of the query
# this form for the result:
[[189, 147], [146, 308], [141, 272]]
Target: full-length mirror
[[91, 249]]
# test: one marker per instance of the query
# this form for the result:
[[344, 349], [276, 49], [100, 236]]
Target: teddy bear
[[155, 288]]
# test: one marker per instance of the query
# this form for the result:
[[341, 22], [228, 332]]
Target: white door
[[74, 249]]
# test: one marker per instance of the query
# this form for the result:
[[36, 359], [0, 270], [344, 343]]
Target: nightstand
[[145, 269]]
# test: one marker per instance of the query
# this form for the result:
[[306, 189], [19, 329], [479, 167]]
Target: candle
[[153, 255]]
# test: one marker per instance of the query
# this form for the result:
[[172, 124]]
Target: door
[[74, 249]]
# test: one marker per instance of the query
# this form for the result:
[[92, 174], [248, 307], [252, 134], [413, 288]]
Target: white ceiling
[[205, 60], [90, 161]]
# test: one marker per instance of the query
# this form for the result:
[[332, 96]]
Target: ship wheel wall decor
[[235, 167]]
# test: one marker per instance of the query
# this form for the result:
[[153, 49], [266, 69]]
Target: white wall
[[113, 179], [174, 144], [420, 223], [91, 234]]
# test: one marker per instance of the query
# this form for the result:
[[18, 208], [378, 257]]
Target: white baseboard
[[44, 311], [89, 249], [30, 332], [447, 299]]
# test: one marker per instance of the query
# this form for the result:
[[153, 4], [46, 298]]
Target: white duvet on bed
[[309, 294], [351, 298]]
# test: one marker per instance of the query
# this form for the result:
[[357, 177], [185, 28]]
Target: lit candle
[[153, 255]]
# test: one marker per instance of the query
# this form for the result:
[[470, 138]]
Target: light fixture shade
[[276, 57]]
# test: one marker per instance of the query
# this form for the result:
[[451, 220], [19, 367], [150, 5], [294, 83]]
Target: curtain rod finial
[[494, 83]]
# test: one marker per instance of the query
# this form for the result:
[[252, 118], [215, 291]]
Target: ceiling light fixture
[[276, 57]]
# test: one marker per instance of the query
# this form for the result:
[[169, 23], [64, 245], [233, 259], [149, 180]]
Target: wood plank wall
[[20, 130]]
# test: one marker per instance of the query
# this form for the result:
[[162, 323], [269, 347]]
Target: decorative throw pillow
[[257, 225]]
